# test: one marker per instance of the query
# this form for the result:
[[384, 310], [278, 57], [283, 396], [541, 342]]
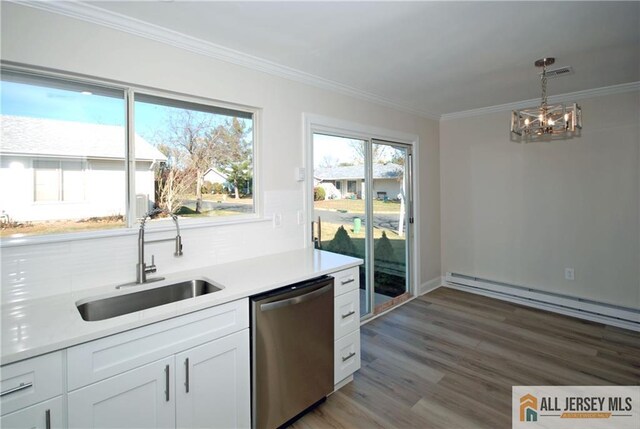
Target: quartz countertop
[[34, 327]]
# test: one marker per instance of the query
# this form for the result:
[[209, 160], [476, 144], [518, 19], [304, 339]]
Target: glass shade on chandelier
[[546, 122]]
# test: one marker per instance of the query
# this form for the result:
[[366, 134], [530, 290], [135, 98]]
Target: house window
[[65, 141], [338, 184], [208, 170], [351, 186], [58, 181]]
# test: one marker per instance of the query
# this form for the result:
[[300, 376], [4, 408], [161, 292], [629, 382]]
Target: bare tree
[[378, 152], [174, 179]]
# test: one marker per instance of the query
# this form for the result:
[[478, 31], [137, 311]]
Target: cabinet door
[[45, 415], [212, 384], [140, 398]]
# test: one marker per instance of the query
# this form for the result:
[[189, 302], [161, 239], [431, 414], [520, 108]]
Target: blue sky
[[51, 103]]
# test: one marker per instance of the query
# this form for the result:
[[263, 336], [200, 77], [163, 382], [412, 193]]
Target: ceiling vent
[[562, 71]]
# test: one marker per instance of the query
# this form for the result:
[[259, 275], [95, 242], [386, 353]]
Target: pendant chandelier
[[546, 122]]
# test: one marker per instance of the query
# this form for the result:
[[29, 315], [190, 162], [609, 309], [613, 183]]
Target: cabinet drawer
[[106, 357], [346, 280], [347, 356], [45, 415], [30, 381], [346, 313]]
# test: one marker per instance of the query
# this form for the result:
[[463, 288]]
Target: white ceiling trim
[[559, 98], [96, 15]]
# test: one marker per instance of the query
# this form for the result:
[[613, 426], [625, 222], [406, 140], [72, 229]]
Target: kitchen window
[[82, 154]]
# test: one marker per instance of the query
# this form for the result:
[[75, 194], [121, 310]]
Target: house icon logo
[[528, 408]]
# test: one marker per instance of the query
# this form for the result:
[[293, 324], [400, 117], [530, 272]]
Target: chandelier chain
[[544, 85]]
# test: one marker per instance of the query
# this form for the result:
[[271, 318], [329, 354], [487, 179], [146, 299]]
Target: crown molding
[[93, 14], [559, 98]]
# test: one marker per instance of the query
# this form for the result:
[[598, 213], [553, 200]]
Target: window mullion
[[130, 158]]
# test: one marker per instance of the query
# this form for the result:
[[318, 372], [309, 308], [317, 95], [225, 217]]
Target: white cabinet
[[31, 393], [346, 325], [212, 384], [140, 398], [201, 380], [45, 415]]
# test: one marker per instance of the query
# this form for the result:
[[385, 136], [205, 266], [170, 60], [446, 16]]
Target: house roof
[[50, 137], [355, 172]]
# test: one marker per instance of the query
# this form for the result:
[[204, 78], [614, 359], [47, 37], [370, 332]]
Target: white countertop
[[39, 326]]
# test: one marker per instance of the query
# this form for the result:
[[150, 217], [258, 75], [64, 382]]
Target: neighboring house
[[52, 169], [349, 181], [215, 176]]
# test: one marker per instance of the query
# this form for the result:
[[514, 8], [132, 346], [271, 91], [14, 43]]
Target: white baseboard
[[432, 284], [589, 310]]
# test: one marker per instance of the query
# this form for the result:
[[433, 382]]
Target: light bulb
[[526, 122], [566, 117], [552, 122]]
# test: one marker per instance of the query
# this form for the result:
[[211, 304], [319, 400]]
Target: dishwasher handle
[[297, 299]]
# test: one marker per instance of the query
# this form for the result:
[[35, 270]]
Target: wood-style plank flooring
[[448, 360]]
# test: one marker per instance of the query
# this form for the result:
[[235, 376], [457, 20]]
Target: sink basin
[[106, 308]]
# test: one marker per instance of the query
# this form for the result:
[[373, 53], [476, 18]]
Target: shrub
[[217, 188], [383, 250], [207, 187], [341, 243], [319, 193]]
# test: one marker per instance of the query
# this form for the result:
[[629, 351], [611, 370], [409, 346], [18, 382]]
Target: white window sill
[[152, 227]]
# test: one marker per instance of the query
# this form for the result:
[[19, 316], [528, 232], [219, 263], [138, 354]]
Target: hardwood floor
[[448, 360]]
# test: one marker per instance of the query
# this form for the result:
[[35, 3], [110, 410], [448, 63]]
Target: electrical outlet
[[277, 220], [569, 274]]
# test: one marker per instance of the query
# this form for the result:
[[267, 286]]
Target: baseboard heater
[[609, 314]]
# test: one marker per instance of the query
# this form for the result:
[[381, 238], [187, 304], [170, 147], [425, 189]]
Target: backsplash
[[37, 271]]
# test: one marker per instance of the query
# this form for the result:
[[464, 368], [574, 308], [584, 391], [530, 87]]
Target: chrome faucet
[[142, 269]]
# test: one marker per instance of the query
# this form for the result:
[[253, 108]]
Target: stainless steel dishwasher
[[291, 351]]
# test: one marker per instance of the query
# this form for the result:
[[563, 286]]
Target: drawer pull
[[166, 375], [351, 313], [22, 386], [47, 419], [346, 282], [186, 375], [352, 354]]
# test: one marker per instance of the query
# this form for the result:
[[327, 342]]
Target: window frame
[[132, 223]]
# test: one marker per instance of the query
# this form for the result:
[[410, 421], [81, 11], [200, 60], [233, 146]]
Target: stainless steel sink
[[106, 308]]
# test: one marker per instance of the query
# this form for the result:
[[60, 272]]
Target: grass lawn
[[397, 242], [357, 206], [58, 227], [223, 198]]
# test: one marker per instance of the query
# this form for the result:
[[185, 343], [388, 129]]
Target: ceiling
[[432, 57]]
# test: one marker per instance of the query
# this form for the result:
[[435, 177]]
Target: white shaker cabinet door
[[140, 398], [45, 415], [213, 384]]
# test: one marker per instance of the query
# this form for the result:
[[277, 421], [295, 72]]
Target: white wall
[[522, 213], [40, 38]]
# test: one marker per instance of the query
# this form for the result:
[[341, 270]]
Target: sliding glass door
[[362, 204], [390, 216]]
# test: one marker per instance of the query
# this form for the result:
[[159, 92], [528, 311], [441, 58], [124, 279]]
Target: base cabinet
[[212, 384], [140, 398], [45, 415], [204, 387]]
